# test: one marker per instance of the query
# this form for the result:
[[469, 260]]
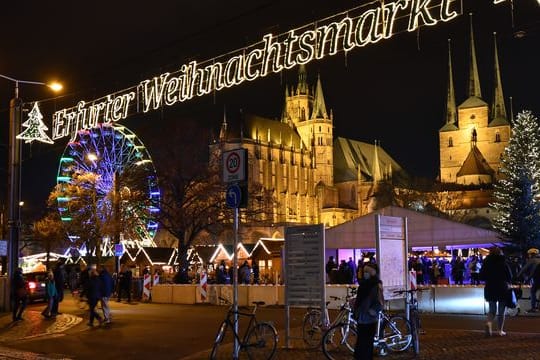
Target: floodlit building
[[307, 175]]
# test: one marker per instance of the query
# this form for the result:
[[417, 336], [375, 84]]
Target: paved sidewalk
[[436, 345]]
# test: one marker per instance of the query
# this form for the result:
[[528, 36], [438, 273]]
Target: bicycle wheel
[[339, 341], [312, 328], [218, 350], [261, 342], [396, 333]]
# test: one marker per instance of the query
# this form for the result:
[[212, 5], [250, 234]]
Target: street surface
[[165, 331]]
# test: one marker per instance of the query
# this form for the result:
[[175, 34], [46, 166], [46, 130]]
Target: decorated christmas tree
[[35, 127], [517, 193]]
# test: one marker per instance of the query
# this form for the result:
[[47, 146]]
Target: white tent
[[423, 231]]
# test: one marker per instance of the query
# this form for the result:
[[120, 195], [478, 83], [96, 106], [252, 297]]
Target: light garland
[[354, 28]]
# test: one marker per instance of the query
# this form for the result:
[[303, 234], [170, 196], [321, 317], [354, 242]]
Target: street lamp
[[15, 115]]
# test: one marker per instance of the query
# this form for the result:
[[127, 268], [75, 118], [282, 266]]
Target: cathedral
[[310, 176]]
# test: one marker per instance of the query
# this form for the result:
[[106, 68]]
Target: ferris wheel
[[108, 151]]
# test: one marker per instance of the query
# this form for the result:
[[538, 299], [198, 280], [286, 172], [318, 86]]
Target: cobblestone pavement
[[436, 345], [33, 325]]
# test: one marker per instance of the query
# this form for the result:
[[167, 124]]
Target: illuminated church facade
[[311, 177], [473, 139]]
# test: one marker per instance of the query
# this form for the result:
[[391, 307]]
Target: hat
[[533, 251]]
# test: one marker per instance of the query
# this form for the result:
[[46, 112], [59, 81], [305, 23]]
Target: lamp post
[[14, 169]]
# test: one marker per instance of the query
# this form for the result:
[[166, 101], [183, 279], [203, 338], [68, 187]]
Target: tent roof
[[423, 231]]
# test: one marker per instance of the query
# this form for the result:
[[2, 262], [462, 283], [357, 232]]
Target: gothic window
[[303, 115], [450, 142], [473, 136], [497, 137], [320, 129]]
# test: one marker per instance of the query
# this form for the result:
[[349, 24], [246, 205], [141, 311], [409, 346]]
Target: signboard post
[[392, 254], [304, 270], [235, 174]]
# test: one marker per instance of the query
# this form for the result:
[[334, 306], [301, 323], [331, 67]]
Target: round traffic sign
[[233, 196], [233, 162]]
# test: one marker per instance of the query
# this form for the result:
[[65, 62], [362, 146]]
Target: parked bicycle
[[259, 341], [414, 315], [314, 326], [393, 333]]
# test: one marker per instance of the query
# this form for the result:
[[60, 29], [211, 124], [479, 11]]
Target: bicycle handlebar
[[410, 291]]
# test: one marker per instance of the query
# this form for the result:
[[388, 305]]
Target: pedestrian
[[330, 266], [352, 269], [19, 294], [106, 292], [125, 285], [73, 280], [474, 269], [94, 295], [497, 276], [531, 272], [369, 301], [221, 273], [50, 291], [255, 270], [59, 280], [244, 273], [344, 273], [458, 271]]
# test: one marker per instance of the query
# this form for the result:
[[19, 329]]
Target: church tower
[[473, 139], [305, 110]]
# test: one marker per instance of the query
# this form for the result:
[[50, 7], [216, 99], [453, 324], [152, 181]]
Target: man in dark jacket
[[94, 295], [106, 292], [59, 281], [19, 294], [497, 275]]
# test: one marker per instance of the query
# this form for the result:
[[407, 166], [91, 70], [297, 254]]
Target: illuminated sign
[[354, 28]]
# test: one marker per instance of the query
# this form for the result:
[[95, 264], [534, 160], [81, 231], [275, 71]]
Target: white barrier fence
[[449, 299]]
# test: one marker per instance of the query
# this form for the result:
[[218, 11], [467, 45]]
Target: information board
[[392, 254], [304, 265]]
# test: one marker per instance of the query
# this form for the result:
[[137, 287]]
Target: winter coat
[[497, 275], [106, 284], [369, 301], [94, 288], [51, 289]]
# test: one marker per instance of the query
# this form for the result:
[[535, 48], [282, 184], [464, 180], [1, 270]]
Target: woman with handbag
[[51, 295], [497, 275]]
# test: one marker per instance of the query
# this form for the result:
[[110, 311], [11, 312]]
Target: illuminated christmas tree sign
[[35, 127], [357, 27]]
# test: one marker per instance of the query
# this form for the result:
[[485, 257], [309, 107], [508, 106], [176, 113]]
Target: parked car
[[36, 282]]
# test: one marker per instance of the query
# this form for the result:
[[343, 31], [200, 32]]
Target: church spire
[[474, 79], [223, 130], [450, 97], [302, 88], [284, 113], [319, 107], [375, 167], [498, 110]]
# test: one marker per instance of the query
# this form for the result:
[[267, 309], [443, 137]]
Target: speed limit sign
[[234, 165]]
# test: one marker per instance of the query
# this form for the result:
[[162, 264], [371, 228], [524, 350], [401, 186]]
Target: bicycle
[[313, 326], [414, 316], [393, 333], [259, 340]]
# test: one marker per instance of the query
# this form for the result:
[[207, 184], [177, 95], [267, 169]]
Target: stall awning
[[423, 231]]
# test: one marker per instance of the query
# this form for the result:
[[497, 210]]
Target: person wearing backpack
[[531, 272]]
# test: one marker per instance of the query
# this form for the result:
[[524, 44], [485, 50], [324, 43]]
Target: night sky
[[393, 91]]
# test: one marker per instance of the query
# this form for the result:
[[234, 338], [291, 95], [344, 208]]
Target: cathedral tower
[[472, 140], [305, 110]]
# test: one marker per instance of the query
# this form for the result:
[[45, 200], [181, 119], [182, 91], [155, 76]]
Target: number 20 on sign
[[234, 165]]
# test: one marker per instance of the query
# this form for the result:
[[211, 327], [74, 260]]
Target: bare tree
[[50, 233]]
